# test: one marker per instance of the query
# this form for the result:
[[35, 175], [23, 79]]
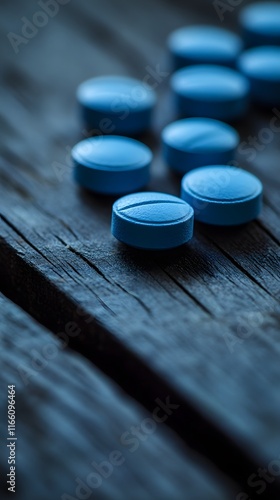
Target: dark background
[[159, 320]]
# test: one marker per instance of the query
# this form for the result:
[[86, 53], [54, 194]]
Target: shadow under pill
[[166, 181], [226, 232], [97, 201], [183, 261], [232, 238]]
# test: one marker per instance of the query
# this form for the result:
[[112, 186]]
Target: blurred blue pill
[[153, 221], [194, 142], [222, 195], [203, 45], [111, 164], [260, 24], [210, 91], [261, 65], [116, 105]]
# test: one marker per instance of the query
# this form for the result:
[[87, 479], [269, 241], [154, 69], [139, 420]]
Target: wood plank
[[69, 415], [57, 252]]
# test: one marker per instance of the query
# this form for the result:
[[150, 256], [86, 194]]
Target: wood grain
[[69, 415], [200, 323]]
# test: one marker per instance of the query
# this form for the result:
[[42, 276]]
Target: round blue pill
[[261, 65], [222, 195], [210, 91], [111, 164], [116, 105], [154, 221], [194, 142], [203, 45], [260, 24]]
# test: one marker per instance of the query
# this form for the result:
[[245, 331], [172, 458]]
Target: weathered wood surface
[[200, 323], [69, 415]]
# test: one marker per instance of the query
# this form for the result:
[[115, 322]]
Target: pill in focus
[[152, 221]]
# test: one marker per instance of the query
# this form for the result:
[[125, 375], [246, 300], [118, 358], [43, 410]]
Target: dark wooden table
[[196, 328]]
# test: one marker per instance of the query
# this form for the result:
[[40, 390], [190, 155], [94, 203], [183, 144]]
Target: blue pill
[[116, 105], [210, 91], [194, 142], [111, 164], [203, 45], [154, 221], [260, 24], [222, 195], [261, 65]]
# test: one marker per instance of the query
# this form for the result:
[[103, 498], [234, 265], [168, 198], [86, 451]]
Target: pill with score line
[[194, 142], [152, 221]]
